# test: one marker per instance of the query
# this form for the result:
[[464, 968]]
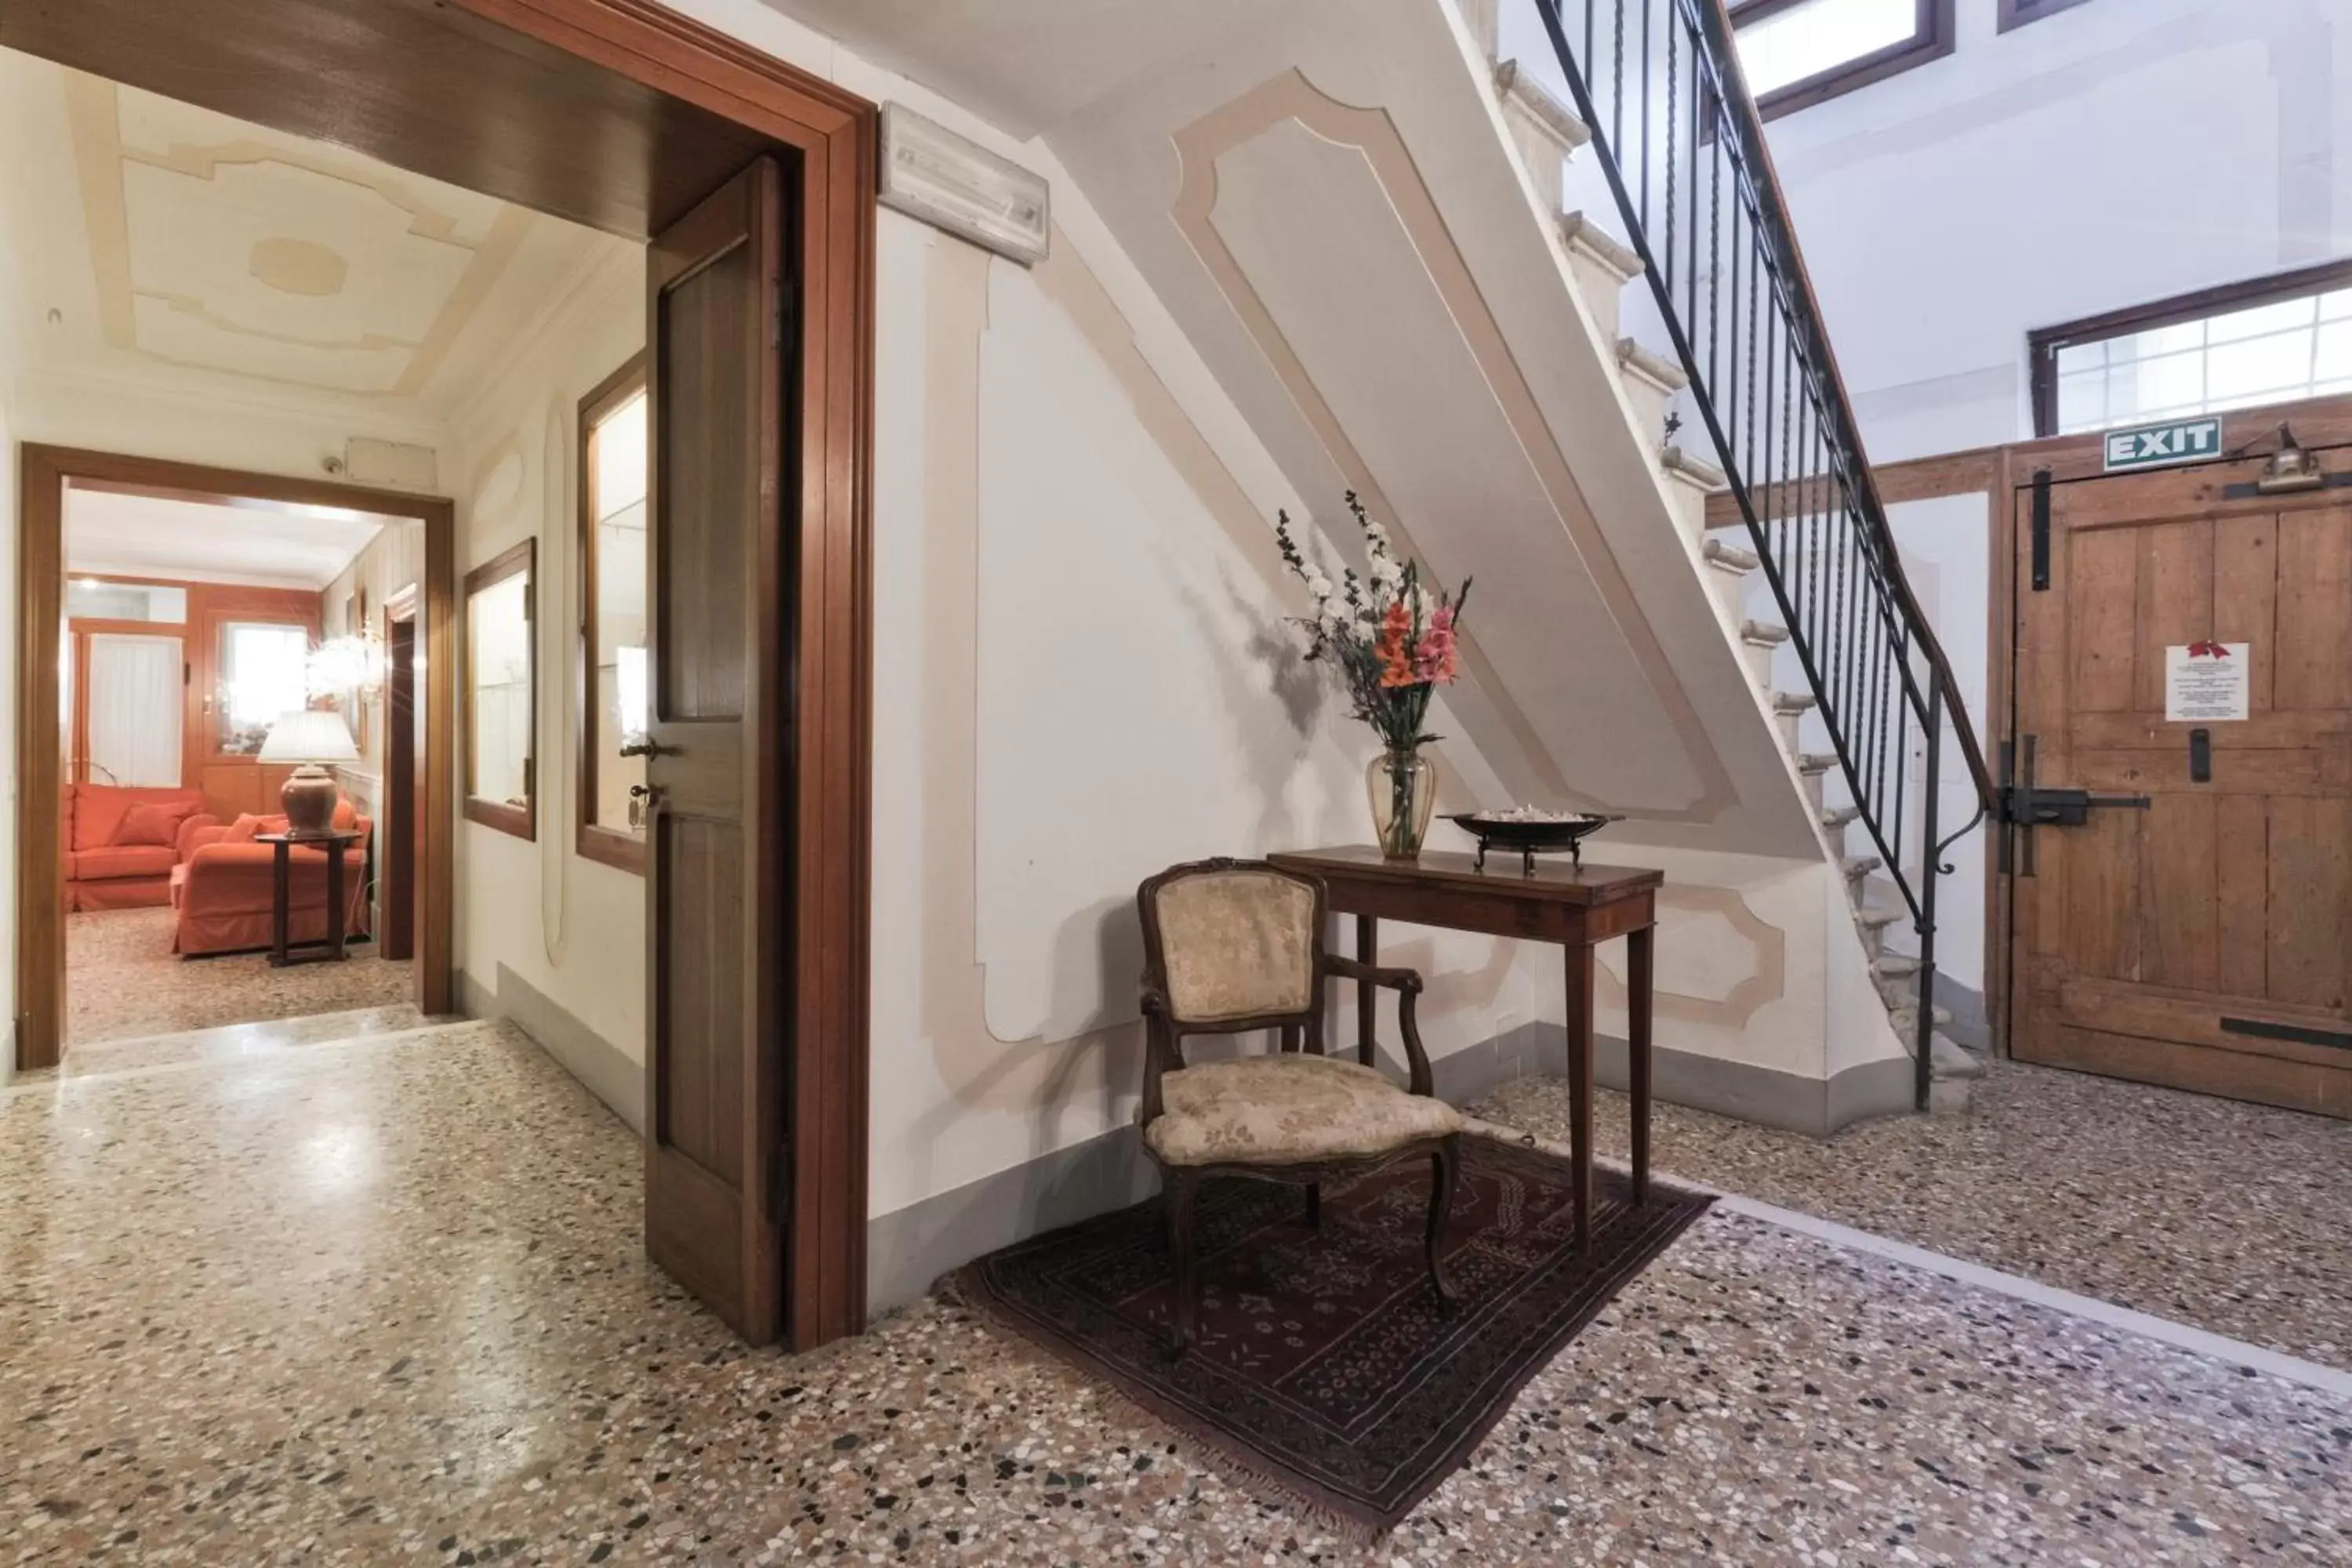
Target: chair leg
[[1314, 1205], [1186, 1299], [1443, 1166]]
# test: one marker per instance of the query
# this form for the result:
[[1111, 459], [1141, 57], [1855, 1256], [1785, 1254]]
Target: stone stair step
[[1729, 558], [1948, 1058], [1522, 91], [1794, 702], [1696, 472], [1816, 763], [1652, 370], [1587, 239], [1860, 866], [1877, 919], [1762, 633], [1894, 966], [1840, 817]]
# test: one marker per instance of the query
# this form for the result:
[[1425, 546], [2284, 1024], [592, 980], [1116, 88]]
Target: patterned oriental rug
[[1324, 1370]]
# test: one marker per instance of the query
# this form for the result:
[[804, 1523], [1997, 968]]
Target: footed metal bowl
[[1531, 838]]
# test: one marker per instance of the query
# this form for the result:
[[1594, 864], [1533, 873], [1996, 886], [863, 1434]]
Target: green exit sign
[[2162, 446]]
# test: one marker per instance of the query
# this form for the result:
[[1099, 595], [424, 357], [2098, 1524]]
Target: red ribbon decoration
[[2208, 650]]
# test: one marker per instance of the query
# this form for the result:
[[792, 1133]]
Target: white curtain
[[134, 710]]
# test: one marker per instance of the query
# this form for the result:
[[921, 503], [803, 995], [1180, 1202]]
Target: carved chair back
[[1229, 946]]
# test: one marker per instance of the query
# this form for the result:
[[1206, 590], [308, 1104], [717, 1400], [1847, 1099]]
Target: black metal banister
[[1776, 409]]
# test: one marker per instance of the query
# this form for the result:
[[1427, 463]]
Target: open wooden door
[[2184, 637], [717, 1182]]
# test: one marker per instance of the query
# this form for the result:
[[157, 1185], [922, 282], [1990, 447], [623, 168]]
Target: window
[[2276, 340], [1795, 53], [501, 693], [612, 698], [2017, 12], [263, 675]]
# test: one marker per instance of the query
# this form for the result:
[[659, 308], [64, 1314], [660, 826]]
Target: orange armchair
[[225, 889]]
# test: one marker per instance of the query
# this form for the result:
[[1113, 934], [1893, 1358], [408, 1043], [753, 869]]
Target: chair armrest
[[193, 833], [1395, 979], [1406, 983]]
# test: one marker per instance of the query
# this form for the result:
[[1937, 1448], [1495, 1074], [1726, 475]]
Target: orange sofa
[[223, 891], [103, 871]]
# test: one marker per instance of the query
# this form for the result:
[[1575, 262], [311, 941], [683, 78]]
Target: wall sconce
[[342, 665]]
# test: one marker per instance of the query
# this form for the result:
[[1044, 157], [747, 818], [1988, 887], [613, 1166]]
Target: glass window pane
[[2281, 351], [2336, 307], [2278, 364], [2284, 316], [620, 441], [497, 631], [262, 679], [2081, 400], [2333, 359], [96, 598], [1817, 36]]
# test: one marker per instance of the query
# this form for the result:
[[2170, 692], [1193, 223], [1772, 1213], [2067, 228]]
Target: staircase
[[1653, 96]]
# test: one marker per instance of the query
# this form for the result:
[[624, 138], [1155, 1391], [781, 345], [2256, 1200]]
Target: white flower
[[1386, 572], [1319, 585]]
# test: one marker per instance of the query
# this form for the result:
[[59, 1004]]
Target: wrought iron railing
[[1679, 139]]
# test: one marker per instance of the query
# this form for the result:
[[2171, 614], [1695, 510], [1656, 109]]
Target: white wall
[[572, 929], [2115, 153]]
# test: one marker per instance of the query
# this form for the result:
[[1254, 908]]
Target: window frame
[[593, 840], [2016, 14], [2043, 344], [522, 821], [1933, 37]]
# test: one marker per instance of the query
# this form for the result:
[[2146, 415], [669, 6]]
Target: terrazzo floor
[[385, 1300], [2229, 1216], [124, 981]]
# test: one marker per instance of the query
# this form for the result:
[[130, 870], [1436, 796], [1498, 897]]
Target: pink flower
[[1433, 660]]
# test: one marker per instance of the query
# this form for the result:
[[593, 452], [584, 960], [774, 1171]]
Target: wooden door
[[716, 1182], [402, 827], [2205, 941]]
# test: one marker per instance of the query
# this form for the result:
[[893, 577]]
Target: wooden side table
[[280, 869], [1578, 907]]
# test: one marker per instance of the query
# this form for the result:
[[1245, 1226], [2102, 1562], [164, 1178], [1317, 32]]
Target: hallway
[[384, 1298]]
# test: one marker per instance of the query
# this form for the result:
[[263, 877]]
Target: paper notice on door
[[2205, 682]]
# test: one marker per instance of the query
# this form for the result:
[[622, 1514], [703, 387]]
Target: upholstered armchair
[[1235, 946]]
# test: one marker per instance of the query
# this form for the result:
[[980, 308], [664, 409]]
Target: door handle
[[647, 747], [2026, 805], [641, 803]]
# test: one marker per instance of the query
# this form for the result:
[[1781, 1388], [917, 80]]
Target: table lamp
[[309, 736]]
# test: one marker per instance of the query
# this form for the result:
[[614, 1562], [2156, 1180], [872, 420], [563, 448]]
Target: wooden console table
[[1579, 907]]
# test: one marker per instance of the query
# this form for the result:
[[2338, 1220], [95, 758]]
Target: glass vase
[[1403, 789]]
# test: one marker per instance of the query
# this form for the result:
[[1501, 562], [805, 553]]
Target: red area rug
[[1326, 1370]]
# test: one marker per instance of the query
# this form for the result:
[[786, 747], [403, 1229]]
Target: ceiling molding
[[97, 113]]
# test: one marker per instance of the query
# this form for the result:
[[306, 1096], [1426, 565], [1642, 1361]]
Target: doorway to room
[[197, 639], [753, 185]]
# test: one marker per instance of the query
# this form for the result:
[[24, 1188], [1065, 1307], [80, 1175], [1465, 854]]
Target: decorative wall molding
[[1289, 98], [1768, 975]]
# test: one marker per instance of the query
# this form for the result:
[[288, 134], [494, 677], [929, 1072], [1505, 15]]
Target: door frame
[[252, 60], [43, 475], [407, 777]]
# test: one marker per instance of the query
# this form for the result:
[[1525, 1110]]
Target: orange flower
[[1396, 661]]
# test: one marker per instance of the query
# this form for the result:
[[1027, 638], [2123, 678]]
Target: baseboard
[[908, 1249], [603, 1067], [1742, 1091]]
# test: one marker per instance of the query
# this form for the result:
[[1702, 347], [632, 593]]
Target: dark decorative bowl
[[1531, 838]]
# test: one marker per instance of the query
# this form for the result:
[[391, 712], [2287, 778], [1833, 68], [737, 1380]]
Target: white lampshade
[[310, 735]]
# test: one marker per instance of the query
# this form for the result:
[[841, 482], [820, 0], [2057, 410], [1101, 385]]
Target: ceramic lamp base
[[308, 798]]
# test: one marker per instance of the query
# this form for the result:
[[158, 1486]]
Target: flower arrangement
[[1391, 634]]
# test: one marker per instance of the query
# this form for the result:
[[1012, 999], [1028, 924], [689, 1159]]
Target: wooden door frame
[[2319, 424], [264, 60], [403, 788], [43, 475]]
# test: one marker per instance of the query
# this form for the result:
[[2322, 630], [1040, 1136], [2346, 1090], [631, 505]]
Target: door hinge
[[2041, 532], [780, 1182]]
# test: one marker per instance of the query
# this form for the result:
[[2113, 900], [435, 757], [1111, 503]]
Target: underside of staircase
[[1386, 236]]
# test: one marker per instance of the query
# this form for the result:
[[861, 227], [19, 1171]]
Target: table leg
[[1637, 1049], [277, 913], [1579, 1085], [335, 901], [1368, 948]]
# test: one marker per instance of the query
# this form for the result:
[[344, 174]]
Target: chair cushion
[[1287, 1109], [1236, 943], [124, 860]]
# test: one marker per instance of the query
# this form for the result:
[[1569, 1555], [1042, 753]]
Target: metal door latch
[[2025, 805]]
